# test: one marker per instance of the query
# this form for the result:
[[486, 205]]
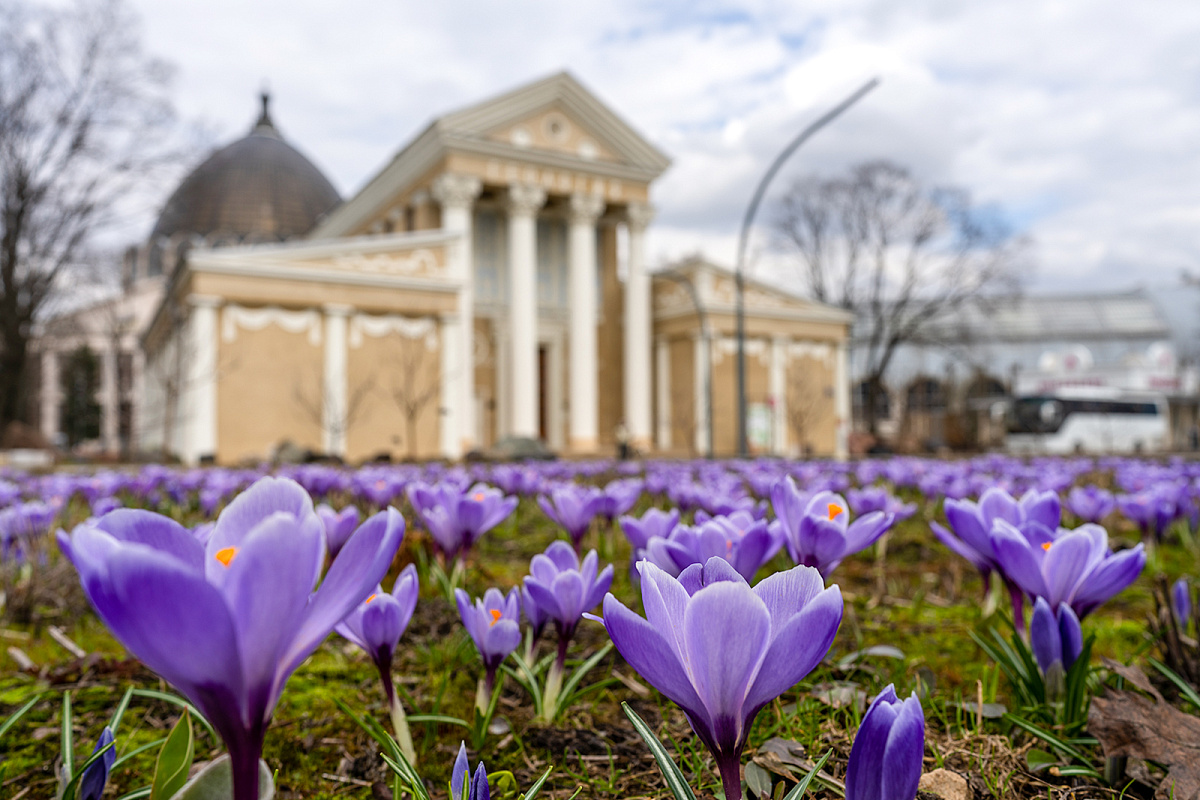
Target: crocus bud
[[1055, 638], [885, 760], [91, 785], [476, 786], [1181, 602]]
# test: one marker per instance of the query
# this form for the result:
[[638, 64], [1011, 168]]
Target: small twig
[[342, 779], [16, 636], [57, 635], [23, 661], [631, 684]]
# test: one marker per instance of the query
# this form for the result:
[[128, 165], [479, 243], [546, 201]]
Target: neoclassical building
[[490, 281]]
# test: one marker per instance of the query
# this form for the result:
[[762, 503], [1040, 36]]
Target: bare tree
[[321, 404], [83, 119], [905, 258], [414, 386], [808, 407], [684, 420]]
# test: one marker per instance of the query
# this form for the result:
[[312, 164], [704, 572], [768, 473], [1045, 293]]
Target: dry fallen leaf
[[1131, 724]]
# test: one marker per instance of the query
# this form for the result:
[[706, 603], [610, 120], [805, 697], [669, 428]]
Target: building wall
[[390, 377], [269, 389], [684, 413], [809, 414]]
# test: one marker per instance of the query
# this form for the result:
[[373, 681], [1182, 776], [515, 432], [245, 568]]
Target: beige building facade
[[491, 281]]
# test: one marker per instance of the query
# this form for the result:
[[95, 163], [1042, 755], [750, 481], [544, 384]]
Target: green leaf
[[174, 760], [758, 780], [121, 759], [1184, 687], [115, 721], [537, 785], [565, 697], [671, 773], [16, 715], [528, 679], [68, 743], [442, 718], [1047, 737], [176, 700], [1038, 760], [802, 786]]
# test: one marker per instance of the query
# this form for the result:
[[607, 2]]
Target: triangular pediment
[[556, 114]]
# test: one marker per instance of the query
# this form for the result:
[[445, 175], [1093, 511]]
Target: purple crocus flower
[[573, 507], [745, 548], [376, 626], [1076, 568], [494, 622], [338, 526], [91, 785], [722, 650], [227, 622], [885, 759], [817, 529], [1090, 503], [477, 786], [1054, 638], [877, 498], [653, 524], [1181, 603], [456, 518], [1152, 510], [1036, 514], [619, 497]]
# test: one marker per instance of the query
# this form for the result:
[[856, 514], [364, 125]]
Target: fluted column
[[456, 194], [637, 329], [450, 440], [523, 204], [778, 380], [585, 210], [200, 388], [49, 395], [334, 409], [841, 393], [662, 383]]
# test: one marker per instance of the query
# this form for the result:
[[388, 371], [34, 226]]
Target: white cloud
[[1080, 118]]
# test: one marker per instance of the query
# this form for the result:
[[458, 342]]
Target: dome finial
[[264, 124]]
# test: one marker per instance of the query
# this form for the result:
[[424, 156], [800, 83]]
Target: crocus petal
[[1071, 634], [162, 533], [644, 647], [91, 785], [957, 545], [786, 591], [1044, 637], [903, 753], [459, 773], [1017, 559], [798, 646], [726, 633], [1109, 578], [479, 785], [866, 530], [866, 766], [358, 568], [1064, 565], [265, 497]]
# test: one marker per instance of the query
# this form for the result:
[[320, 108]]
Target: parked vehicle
[[1088, 420]]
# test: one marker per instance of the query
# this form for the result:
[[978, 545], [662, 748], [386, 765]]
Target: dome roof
[[257, 189]]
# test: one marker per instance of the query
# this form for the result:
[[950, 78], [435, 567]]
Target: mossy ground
[[912, 595]]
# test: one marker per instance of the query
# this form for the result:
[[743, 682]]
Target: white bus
[[1088, 420]]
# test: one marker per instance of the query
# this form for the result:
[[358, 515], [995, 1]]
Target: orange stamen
[[372, 597], [495, 617], [1045, 545], [834, 510], [225, 555], [478, 497]]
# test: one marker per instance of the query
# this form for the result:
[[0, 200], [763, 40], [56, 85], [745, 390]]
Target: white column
[[637, 329], [457, 194], [200, 389], [841, 392], [778, 390], [137, 398], [702, 364], [663, 386], [335, 412], [451, 399], [585, 210], [109, 404], [523, 204], [49, 395]]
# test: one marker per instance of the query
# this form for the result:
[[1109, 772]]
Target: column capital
[[585, 208], [639, 215], [456, 190], [337, 310], [204, 301], [524, 199]]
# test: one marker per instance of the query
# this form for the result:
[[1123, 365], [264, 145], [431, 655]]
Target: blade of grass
[[1184, 687], [670, 771], [802, 786], [16, 715]]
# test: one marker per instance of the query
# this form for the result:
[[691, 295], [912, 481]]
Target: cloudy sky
[[1078, 119]]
